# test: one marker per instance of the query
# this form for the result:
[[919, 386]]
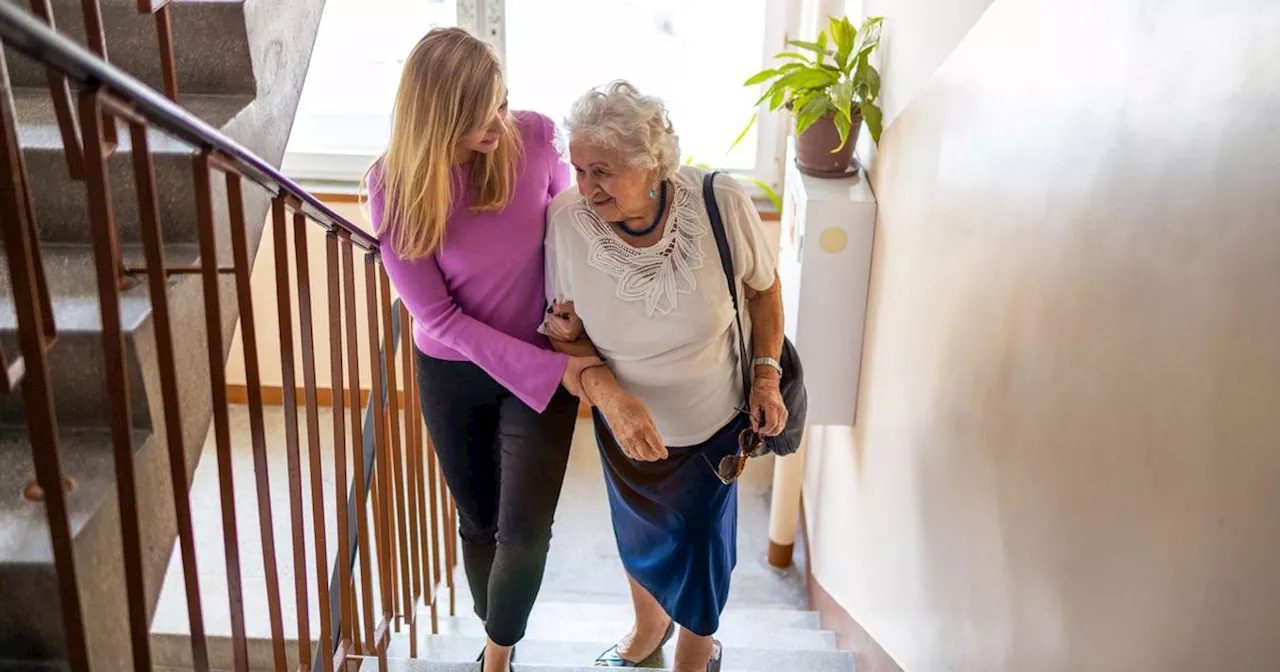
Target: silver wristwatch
[[769, 362]]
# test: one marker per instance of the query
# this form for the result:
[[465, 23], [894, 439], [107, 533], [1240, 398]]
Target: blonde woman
[[634, 273], [459, 202]]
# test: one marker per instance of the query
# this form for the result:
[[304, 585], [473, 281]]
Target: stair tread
[[212, 47], [580, 631], [38, 123], [460, 649], [403, 665], [599, 622], [24, 535], [73, 288]]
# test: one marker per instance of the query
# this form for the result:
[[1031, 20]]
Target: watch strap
[[769, 362]]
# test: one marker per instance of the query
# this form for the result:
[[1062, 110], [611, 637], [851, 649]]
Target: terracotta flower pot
[[814, 148]]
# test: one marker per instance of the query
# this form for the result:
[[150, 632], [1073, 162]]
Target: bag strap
[[726, 262]]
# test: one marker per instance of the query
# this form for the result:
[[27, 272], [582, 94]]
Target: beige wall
[[266, 322], [917, 37], [1068, 453]]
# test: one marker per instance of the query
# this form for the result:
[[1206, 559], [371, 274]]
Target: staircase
[[567, 637], [583, 606], [566, 634], [240, 66], [375, 491]]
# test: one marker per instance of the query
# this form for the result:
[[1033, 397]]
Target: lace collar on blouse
[[656, 274]]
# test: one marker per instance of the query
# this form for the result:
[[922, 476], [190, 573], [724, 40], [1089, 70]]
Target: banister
[[30, 36]]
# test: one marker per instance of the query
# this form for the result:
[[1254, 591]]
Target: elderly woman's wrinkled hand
[[633, 427], [563, 323], [768, 411]]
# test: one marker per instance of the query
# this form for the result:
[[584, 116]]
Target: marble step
[[592, 622], [535, 653]]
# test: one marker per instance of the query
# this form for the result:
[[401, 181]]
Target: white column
[[784, 508]]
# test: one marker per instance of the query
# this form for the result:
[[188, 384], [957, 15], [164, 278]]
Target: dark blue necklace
[[657, 219]]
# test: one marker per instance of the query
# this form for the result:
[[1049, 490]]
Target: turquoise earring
[[653, 194]]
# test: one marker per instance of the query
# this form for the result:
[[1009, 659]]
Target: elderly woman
[[634, 276]]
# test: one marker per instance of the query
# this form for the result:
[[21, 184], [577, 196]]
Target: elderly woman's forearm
[[598, 382], [766, 321]]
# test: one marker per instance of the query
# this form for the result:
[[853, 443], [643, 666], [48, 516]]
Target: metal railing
[[394, 486]]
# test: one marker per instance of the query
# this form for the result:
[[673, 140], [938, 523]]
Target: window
[[695, 54], [344, 114]]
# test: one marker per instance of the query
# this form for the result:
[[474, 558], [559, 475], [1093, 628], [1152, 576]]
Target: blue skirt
[[676, 524]]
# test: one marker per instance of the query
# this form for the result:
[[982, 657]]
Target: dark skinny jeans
[[505, 466]]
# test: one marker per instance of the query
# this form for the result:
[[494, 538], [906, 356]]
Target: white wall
[[1067, 455], [918, 36]]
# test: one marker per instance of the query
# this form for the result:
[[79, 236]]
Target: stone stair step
[[38, 123], [403, 665], [60, 202], [459, 649], [30, 622], [210, 37], [592, 622], [240, 68], [76, 360]]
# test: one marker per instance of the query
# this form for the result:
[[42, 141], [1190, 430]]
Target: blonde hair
[[622, 119], [450, 87]]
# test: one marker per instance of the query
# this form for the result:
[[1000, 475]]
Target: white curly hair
[[620, 118]]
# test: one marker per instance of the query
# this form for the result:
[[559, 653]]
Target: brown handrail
[[411, 549], [29, 36], [31, 370]]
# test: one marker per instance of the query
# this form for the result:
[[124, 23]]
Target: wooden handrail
[[28, 35]]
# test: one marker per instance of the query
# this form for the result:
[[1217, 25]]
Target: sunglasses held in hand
[[750, 444]]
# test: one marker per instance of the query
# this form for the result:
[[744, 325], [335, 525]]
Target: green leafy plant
[[832, 77]]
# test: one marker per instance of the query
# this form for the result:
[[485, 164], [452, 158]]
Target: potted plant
[[832, 90]]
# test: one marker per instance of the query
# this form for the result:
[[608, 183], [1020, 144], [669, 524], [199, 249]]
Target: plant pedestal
[[824, 262]]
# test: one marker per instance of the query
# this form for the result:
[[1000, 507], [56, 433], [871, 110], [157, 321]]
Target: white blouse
[[661, 316]]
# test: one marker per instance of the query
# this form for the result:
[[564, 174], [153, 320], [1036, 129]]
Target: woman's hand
[[572, 378], [632, 426], [768, 411], [563, 323]]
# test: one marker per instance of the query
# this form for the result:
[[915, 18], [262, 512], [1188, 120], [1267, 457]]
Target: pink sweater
[[480, 297]]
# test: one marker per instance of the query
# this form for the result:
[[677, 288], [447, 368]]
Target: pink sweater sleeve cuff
[[543, 380]]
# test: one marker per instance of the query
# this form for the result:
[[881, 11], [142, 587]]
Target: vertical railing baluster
[[303, 276], [257, 431], [164, 34], [357, 439], [35, 331], [451, 528], [218, 388], [435, 518], [153, 248], [289, 390], [412, 467], [357, 642], [60, 91], [382, 528], [106, 258], [95, 37], [426, 525], [434, 528], [338, 393], [398, 468], [97, 41]]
